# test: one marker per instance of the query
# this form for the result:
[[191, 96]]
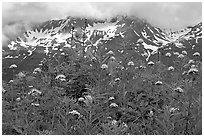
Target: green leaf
[[198, 128]]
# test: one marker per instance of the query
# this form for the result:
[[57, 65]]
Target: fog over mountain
[[24, 15]]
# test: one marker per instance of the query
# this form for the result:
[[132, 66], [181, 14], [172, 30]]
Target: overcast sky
[[16, 17]]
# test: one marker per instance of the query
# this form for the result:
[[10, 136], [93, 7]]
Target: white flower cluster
[[11, 81], [150, 63], [193, 66], [172, 110], [131, 63], [121, 51], [184, 52], [193, 70], [117, 123], [81, 99], [61, 77], [151, 113], [168, 54], [110, 52], [74, 112], [142, 67], [124, 125], [88, 99], [111, 98], [114, 122], [140, 40], [21, 75], [104, 66], [112, 58], [178, 89], [36, 70], [117, 79], [18, 99], [35, 104], [113, 105], [34, 92], [158, 83], [176, 53], [196, 54], [171, 68], [13, 66], [3, 90], [191, 61], [180, 56]]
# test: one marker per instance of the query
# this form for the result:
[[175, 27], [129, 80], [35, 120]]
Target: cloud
[[13, 30], [165, 15]]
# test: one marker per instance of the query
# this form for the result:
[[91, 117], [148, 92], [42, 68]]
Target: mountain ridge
[[118, 34]]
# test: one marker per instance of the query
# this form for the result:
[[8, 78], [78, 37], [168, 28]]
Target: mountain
[[125, 37]]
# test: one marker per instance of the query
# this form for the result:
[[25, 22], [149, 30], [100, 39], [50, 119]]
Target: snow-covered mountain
[[120, 35]]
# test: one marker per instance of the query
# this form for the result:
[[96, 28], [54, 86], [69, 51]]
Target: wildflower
[[11, 81], [124, 125], [35, 104], [137, 45], [172, 110], [151, 113], [36, 70], [193, 66], [18, 99], [62, 79], [176, 53], [13, 66], [110, 52], [178, 89], [111, 98], [109, 117], [191, 61], [81, 99], [45, 132], [121, 51], [117, 79], [171, 68], [104, 66], [21, 75], [113, 105], [158, 83], [60, 76], [142, 67], [180, 56], [89, 99], [131, 63], [114, 122], [140, 40], [112, 58], [168, 54], [3, 90], [193, 70], [185, 72], [196, 54], [74, 112], [150, 63], [34, 92], [184, 52]]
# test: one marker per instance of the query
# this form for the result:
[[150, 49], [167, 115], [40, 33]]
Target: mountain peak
[[119, 34]]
